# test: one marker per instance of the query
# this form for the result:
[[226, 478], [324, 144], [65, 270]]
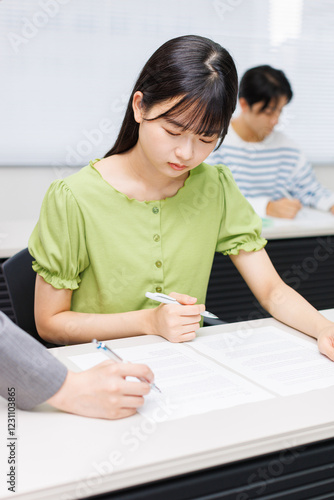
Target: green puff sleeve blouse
[[110, 249]]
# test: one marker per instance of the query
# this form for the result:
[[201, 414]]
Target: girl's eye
[[171, 133], [207, 142]]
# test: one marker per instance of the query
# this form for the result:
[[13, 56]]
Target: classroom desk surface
[[14, 236], [63, 456], [307, 223]]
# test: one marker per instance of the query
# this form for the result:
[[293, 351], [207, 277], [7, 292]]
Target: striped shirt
[[270, 170]]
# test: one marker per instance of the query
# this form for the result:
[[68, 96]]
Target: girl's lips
[[177, 166]]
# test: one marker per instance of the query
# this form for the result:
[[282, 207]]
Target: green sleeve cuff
[[248, 246], [56, 281]]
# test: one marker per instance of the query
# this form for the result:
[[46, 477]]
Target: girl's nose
[[185, 150]]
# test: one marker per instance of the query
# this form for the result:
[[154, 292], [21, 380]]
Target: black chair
[[213, 321], [20, 280]]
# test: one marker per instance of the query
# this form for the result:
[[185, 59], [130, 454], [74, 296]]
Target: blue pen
[[111, 354]]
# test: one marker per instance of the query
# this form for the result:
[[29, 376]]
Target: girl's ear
[[137, 106]]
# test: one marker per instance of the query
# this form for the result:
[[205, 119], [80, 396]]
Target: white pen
[[112, 354], [167, 299]]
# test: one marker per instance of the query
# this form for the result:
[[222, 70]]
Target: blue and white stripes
[[271, 169]]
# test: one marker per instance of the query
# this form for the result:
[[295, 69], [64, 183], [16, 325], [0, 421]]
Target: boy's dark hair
[[201, 73], [263, 84]]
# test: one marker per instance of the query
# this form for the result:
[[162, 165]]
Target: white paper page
[[190, 383], [305, 217], [274, 359], [86, 361]]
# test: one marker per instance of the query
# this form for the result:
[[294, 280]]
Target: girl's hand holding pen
[[177, 323]]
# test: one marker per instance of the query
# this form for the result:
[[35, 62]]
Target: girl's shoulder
[[79, 182], [67, 193], [219, 178], [85, 173], [219, 172]]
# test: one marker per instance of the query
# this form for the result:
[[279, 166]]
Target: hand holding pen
[[113, 355], [179, 319], [286, 208]]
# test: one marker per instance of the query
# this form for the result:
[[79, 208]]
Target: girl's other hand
[[326, 342], [178, 323]]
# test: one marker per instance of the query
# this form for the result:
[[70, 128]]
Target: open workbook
[[225, 369]]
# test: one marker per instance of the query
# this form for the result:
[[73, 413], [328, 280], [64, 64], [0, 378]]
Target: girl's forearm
[[287, 306], [69, 327]]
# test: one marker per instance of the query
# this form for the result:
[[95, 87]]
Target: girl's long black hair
[[198, 71]]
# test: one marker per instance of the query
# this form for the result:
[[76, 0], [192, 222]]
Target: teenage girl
[[151, 214]]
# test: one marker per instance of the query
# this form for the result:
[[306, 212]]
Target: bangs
[[200, 116], [273, 99]]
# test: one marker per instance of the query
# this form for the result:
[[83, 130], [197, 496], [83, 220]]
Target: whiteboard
[[68, 67]]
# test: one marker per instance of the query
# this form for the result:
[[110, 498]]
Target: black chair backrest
[[20, 280]]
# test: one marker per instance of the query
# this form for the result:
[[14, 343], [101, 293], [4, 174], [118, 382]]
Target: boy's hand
[[284, 208]]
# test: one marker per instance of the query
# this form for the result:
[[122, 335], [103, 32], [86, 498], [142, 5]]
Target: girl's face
[[164, 143]]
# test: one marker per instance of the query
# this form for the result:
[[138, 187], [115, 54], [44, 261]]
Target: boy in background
[[270, 170]]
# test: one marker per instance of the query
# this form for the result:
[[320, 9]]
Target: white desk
[[14, 236], [307, 223], [60, 455]]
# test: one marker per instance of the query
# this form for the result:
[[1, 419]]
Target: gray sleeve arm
[[26, 365]]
